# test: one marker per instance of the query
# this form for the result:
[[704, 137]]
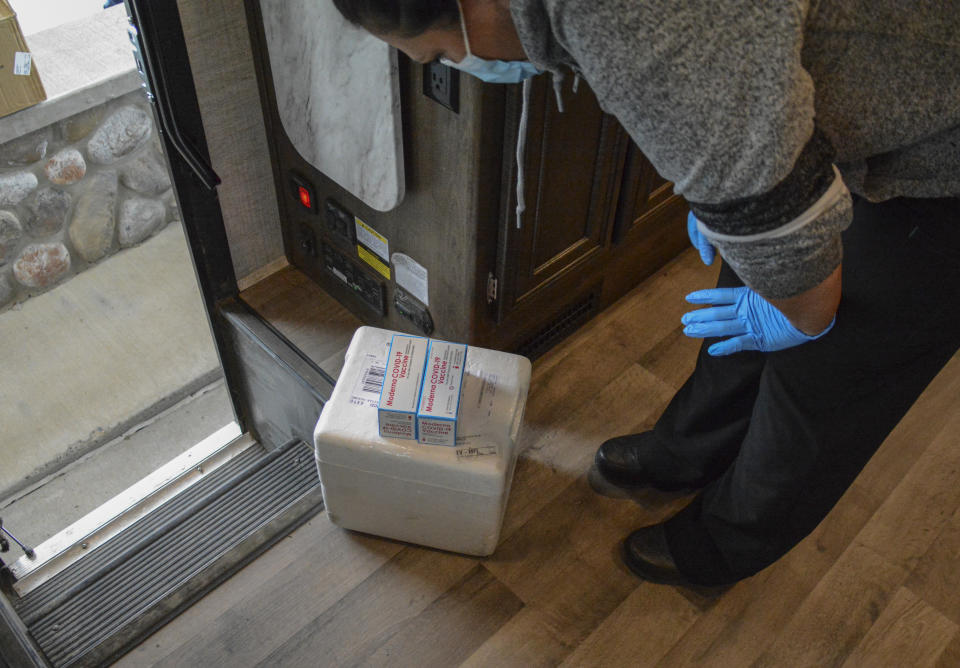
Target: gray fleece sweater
[[767, 114]]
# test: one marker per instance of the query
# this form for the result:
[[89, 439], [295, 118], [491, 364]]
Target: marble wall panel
[[339, 98]]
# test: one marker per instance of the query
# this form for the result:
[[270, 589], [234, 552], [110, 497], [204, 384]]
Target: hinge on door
[[491, 288]]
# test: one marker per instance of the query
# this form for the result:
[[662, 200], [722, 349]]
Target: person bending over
[[818, 145]]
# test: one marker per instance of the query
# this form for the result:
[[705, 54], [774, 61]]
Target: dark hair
[[405, 18]]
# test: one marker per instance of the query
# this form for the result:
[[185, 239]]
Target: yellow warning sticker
[[373, 261], [372, 239]]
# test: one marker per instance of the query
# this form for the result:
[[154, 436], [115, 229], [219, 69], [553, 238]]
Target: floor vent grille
[[560, 328]]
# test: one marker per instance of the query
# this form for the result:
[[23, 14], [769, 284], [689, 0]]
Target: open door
[[201, 520]]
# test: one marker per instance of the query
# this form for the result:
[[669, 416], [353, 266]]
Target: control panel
[[345, 270], [327, 236]]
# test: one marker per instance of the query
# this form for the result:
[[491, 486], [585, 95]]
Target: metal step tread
[[115, 584]]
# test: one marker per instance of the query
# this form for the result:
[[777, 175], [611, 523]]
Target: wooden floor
[[877, 584]]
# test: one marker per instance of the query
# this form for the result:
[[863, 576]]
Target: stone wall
[[77, 192]]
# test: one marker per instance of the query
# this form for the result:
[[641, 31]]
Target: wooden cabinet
[[649, 229], [599, 220]]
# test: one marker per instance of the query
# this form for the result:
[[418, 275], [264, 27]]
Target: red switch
[[302, 190], [305, 198]]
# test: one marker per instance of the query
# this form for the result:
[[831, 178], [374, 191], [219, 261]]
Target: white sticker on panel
[[412, 277], [22, 64], [372, 239]]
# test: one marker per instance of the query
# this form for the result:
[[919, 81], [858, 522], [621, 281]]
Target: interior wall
[[219, 47]]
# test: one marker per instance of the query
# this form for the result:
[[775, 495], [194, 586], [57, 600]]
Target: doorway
[[109, 367], [199, 518]]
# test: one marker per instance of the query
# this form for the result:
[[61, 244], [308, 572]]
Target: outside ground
[[37, 15]]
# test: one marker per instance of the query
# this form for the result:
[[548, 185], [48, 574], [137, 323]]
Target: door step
[[115, 596]]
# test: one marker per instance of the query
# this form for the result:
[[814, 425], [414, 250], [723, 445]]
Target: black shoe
[[647, 555], [637, 461]]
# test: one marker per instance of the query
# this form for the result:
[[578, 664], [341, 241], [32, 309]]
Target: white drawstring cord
[[522, 137], [522, 150], [558, 92]]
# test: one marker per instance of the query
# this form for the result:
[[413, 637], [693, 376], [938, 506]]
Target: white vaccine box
[[440, 394], [397, 409], [448, 498]]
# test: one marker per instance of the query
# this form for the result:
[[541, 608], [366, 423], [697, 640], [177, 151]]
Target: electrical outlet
[[442, 84], [412, 310]]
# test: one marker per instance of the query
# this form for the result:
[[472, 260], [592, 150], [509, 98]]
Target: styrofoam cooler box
[[452, 498]]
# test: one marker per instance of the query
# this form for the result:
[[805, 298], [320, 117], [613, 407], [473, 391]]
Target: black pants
[[781, 436]]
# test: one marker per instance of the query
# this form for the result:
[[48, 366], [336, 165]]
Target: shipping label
[[22, 64]]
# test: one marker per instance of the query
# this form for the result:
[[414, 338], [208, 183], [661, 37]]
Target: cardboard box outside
[[20, 85]]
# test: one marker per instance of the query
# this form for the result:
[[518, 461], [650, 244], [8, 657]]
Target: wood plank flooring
[[876, 584]]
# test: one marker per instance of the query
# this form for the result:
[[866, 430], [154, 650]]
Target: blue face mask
[[491, 71]]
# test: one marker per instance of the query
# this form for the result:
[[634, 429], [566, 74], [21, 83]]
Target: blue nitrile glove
[[707, 251], [751, 321]]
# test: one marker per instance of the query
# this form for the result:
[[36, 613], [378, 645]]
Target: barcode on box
[[369, 382], [373, 379]]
